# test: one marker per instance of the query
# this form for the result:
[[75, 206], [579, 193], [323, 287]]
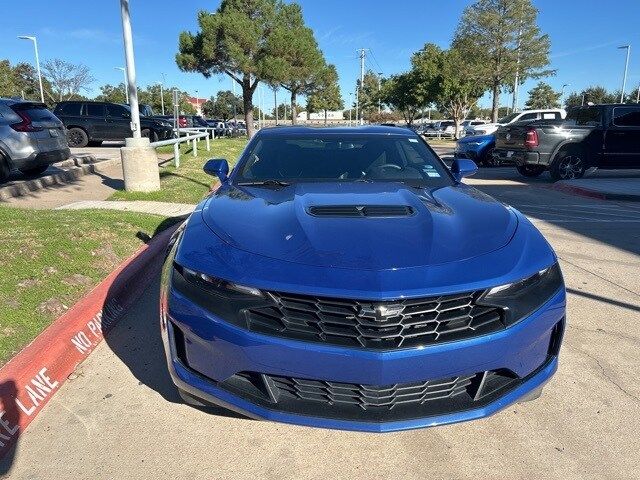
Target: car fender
[[561, 145]]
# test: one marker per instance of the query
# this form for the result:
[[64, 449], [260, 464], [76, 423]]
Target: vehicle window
[[117, 111], [528, 116], [94, 110], [69, 109], [37, 112], [584, 116], [551, 116], [626, 116], [340, 157], [508, 118]]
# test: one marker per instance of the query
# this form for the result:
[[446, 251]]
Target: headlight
[[226, 300], [520, 299]]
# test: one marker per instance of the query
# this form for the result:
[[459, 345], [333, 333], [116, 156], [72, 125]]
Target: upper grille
[[361, 211], [369, 397], [377, 325]]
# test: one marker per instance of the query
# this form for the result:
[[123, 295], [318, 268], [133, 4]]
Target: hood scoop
[[377, 211]]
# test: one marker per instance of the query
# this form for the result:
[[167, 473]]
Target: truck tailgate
[[511, 137]]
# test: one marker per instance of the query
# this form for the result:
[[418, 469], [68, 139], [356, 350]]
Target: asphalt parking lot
[[120, 417]]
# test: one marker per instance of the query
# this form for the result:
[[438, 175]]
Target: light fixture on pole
[[35, 46], [562, 93], [126, 82], [626, 68]]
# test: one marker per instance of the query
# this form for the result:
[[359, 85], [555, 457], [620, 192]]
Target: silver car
[[31, 138]]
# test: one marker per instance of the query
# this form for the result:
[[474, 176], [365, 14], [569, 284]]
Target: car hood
[[476, 139], [446, 224]]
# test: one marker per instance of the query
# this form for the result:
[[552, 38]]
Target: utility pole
[[351, 105], [638, 95], [233, 86], [275, 103], [35, 46], [626, 68], [197, 104], [362, 55], [379, 85], [161, 91]]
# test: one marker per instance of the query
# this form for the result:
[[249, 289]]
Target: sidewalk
[[616, 185]]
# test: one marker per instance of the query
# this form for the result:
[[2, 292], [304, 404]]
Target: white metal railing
[[190, 136]]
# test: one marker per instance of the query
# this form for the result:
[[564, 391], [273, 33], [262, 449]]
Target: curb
[[80, 166], [31, 378], [586, 192]]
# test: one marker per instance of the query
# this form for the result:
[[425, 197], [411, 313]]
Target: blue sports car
[[478, 148], [346, 278]]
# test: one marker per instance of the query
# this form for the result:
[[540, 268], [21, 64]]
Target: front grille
[[376, 325], [361, 211], [370, 396]]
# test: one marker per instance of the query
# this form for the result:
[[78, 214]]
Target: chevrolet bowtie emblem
[[380, 313]]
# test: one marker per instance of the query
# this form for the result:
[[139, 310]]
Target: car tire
[[150, 134], [95, 143], [31, 172], [569, 164], [5, 169], [488, 160], [530, 171], [77, 138]]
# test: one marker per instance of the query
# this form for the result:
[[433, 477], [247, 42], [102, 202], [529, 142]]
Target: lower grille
[[369, 397]]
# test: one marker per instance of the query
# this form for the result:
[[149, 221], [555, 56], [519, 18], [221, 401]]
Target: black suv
[[90, 123]]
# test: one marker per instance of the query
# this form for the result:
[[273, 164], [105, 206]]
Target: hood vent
[[361, 211]]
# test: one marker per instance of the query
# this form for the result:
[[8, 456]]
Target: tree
[[594, 94], [7, 79], [326, 96], [368, 94], [112, 93], [234, 40], [67, 79], [225, 105], [296, 62], [503, 36], [403, 93], [543, 96], [460, 87]]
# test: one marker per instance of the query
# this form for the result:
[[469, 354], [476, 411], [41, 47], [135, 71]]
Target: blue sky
[[584, 36]]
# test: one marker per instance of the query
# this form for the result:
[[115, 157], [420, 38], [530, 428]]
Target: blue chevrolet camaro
[[346, 278]]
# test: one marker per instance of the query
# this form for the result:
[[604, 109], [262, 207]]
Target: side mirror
[[217, 167], [463, 167]]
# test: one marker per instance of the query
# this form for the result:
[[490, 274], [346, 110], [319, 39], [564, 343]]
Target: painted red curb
[[35, 374], [583, 192]]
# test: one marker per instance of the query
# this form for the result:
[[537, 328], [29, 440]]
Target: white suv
[[525, 115]]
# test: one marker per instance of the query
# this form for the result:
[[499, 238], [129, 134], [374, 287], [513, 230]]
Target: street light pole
[[126, 82], [161, 98], [197, 104], [626, 68], [379, 102], [350, 106], [130, 73], [35, 46]]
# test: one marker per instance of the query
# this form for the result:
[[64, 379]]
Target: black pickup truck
[[604, 136]]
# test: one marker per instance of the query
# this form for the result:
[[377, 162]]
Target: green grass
[[50, 258], [187, 183]]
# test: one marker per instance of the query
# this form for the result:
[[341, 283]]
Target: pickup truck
[[604, 136]]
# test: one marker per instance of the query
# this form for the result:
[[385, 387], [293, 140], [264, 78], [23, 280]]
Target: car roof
[[367, 130]]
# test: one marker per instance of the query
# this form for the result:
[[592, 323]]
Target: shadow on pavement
[[136, 339]]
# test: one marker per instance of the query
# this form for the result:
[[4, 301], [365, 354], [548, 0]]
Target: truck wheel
[[77, 138], [568, 165], [488, 160], [150, 134], [530, 171]]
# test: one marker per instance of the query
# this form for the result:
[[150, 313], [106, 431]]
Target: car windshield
[[508, 118], [342, 158]]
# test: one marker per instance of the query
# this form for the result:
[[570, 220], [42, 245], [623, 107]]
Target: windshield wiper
[[265, 183]]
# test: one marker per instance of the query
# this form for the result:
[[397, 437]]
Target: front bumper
[[208, 353]]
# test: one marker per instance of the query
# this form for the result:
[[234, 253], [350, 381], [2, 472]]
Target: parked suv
[[602, 136], [90, 123], [31, 138], [524, 116]]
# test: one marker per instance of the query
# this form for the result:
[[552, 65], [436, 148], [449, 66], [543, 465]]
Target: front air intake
[[361, 211]]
